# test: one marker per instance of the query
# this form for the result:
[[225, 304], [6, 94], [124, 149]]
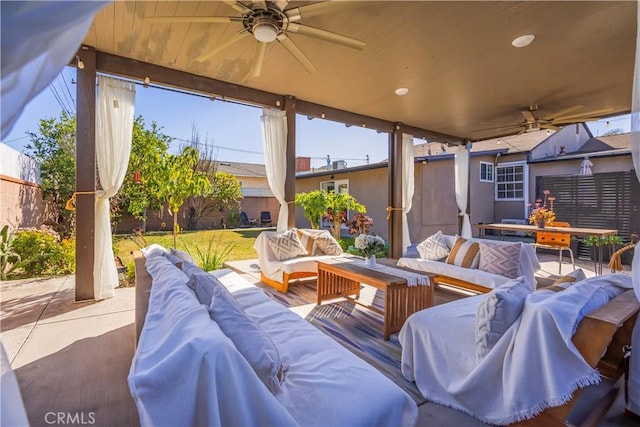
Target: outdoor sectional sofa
[[475, 279], [188, 371], [276, 272]]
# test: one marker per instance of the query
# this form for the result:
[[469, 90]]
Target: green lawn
[[241, 239]]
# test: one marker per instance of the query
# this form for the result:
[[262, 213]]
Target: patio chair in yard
[[265, 218], [245, 221], [556, 241]]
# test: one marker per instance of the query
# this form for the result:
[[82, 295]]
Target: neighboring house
[[506, 174], [21, 202]]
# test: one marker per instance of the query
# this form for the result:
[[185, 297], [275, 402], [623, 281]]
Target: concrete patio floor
[[74, 358]]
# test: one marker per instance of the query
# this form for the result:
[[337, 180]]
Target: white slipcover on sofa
[[278, 272], [477, 279], [186, 371], [533, 363]]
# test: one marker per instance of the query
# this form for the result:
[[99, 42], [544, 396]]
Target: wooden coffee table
[[343, 279]]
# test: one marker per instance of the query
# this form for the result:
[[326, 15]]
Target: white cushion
[[152, 248], [319, 242], [502, 259], [286, 245], [464, 253], [248, 337], [471, 275], [497, 312], [203, 284], [434, 247]]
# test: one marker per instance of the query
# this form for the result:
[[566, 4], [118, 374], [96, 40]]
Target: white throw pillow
[[500, 258], [497, 312], [327, 243], [464, 253], [434, 247], [248, 337], [286, 245]]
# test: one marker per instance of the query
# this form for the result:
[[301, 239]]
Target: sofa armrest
[[143, 290]]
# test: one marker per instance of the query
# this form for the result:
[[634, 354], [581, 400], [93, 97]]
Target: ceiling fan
[[268, 21], [551, 121]]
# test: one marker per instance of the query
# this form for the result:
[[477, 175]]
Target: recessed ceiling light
[[401, 91], [523, 41]]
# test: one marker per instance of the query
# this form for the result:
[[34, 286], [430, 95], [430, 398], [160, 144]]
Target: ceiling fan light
[[265, 32], [523, 41], [401, 91]]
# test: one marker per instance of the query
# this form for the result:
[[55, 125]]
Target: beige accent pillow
[[286, 245], [319, 242], [464, 253], [500, 258]]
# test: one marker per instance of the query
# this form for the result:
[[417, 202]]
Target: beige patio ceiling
[[456, 58]]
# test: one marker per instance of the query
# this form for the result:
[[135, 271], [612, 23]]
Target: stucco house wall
[[21, 203]]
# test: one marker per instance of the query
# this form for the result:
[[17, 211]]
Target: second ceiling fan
[[552, 121], [269, 21]]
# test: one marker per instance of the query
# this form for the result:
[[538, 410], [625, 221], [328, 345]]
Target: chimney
[[303, 164]]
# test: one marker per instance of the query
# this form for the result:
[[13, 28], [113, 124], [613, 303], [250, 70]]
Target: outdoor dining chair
[[556, 241]]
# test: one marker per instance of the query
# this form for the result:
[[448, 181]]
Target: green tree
[[329, 205], [53, 146], [314, 205], [178, 180], [337, 206], [140, 191]]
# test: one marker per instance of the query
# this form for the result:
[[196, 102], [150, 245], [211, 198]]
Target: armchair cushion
[[464, 253], [286, 245], [502, 259], [434, 247], [319, 242], [497, 311]]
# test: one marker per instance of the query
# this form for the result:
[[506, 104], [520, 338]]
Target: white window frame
[[490, 167], [343, 186], [524, 181]]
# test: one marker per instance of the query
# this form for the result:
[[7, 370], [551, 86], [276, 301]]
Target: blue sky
[[233, 128]]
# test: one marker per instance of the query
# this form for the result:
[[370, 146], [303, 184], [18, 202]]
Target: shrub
[[41, 252], [213, 256]]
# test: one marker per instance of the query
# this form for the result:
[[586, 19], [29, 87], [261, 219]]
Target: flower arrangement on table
[[367, 245], [541, 214]]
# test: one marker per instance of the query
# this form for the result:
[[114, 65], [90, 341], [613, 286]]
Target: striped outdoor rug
[[355, 327]]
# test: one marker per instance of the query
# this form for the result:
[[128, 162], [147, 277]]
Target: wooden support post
[[395, 191], [290, 182], [85, 173]]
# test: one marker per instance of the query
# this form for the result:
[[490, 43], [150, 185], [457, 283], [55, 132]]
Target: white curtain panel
[[37, 40], [408, 185], [114, 130], [634, 363], [274, 145], [461, 168]]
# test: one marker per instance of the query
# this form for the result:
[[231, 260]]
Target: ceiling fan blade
[[189, 19], [576, 120], [258, 59], [280, 4], [259, 4], [296, 52], [297, 13], [529, 117], [592, 113], [237, 6], [221, 47], [326, 35], [550, 127], [498, 127], [562, 112]]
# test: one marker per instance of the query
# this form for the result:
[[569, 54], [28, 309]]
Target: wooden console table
[[343, 279]]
